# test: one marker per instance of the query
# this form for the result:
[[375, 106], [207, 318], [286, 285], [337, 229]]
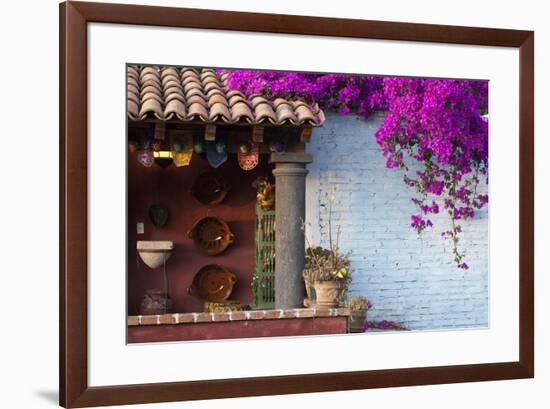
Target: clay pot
[[211, 235], [210, 188], [154, 253], [212, 283], [155, 302], [311, 298], [327, 293], [357, 320]]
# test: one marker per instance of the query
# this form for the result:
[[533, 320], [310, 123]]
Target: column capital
[[290, 169], [291, 157]]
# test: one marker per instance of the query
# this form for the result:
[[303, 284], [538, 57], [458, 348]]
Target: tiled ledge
[[254, 315]]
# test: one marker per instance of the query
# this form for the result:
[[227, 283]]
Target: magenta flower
[[436, 122]]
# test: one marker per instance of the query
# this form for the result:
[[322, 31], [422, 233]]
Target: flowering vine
[[438, 123]]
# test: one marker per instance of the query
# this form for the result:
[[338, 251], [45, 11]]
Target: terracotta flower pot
[[327, 293], [310, 292], [357, 320]]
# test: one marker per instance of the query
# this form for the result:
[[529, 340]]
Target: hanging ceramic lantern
[[163, 162], [158, 214], [250, 159], [182, 157], [145, 157], [244, 148], [145, 154], [216, 153], [163, 158]]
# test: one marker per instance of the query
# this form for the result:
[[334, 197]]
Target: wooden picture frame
[[73, 374]]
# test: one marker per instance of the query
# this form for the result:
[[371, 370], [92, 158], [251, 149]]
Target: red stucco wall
[[238, 329], [171, 187]]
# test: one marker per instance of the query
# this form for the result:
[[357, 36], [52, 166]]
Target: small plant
[[323, 264], [327, 264], [265, 193], [385, 325], [359, 303]]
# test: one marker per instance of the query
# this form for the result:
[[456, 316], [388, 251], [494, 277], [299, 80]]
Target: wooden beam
[[305, 134], [160, 131], [258, 134], [210, 133]]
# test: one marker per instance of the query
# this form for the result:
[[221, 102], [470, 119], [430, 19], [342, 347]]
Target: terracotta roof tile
[[258, 100], [151, 106], [304, 113], [197, 109], [264, 111], [133, 110], [241, 110], [175, 107], [186, 94], [217, 98], [219, 110], [285, 112]]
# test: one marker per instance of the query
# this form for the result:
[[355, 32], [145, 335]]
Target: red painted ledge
[[237, 324]]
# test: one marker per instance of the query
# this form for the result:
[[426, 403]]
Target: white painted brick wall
[[409, 279]]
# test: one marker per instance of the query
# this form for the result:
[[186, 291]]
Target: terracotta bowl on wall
[[210, 188], [211, 235], [212, 283]]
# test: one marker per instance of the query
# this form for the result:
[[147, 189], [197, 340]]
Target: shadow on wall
[[171, 187]]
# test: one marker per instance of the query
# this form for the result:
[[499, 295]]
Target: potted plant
[[358, 306], [311, 273], [326, 275], [327, 271], [265, 193]]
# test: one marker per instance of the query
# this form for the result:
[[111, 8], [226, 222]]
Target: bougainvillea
[[385, 325], [436, 122], [343, 93]]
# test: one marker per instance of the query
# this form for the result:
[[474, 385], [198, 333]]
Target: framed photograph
[[257, 204]]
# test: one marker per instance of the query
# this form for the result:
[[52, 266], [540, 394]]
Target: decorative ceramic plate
[[212, 283], [211, 235], [210, 188]]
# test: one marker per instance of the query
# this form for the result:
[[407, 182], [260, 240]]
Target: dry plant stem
[[314, 258], [330, 222], [337, 244]]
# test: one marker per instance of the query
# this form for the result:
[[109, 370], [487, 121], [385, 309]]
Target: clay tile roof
[[187, 94]]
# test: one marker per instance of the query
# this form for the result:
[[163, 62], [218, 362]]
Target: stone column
[[290, 208]]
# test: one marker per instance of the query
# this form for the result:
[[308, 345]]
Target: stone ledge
[[253, 315]]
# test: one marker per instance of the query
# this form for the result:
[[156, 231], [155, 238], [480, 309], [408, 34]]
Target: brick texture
[[255, 315], [409, 279]]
